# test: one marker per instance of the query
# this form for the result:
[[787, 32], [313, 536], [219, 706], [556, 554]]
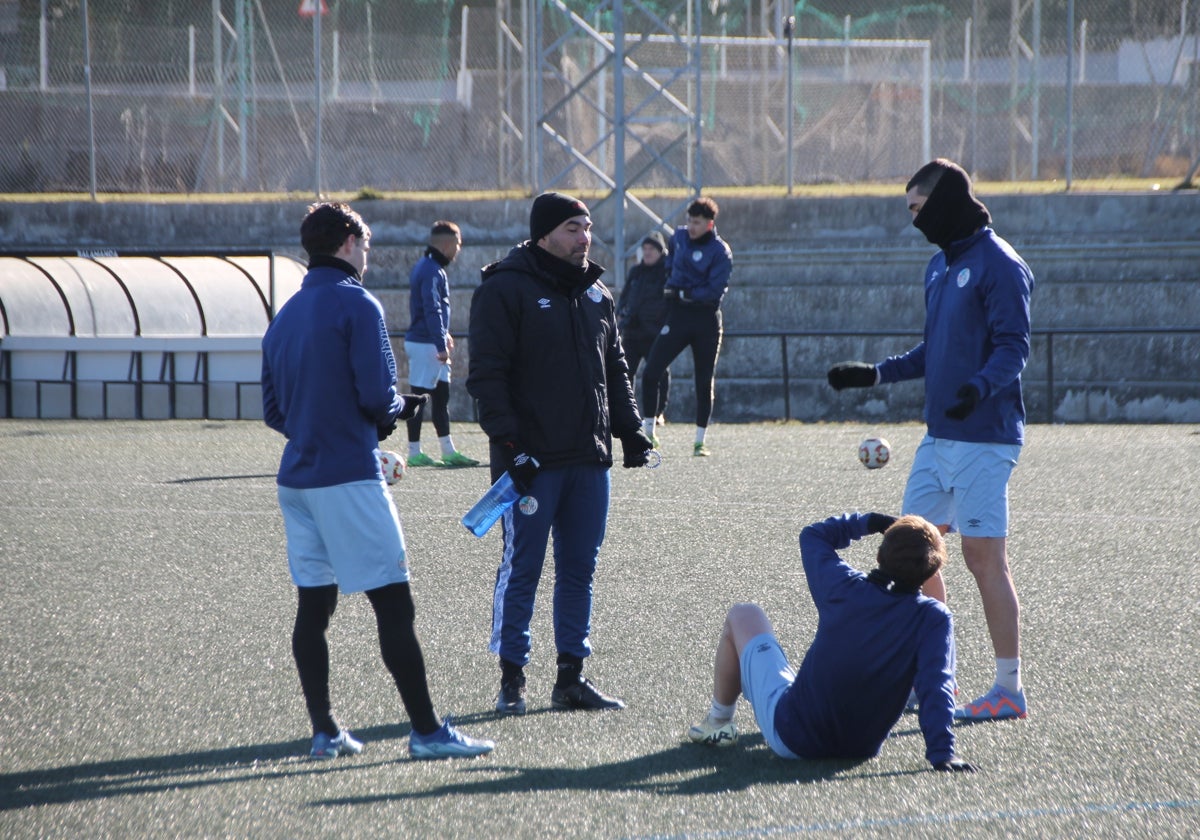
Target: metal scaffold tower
[[607, 102], [1024, 127]]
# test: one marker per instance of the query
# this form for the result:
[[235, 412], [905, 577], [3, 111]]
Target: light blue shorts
[[348, 534], [425, 369], [963, 485], [766, 675]]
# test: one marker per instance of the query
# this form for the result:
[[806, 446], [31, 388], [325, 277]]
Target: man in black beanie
[[553, 390], [977, 335]]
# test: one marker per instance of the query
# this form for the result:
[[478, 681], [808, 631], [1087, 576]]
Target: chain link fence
[[221, 96]]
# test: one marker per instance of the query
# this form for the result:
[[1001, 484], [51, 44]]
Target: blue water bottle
[[499, 498]]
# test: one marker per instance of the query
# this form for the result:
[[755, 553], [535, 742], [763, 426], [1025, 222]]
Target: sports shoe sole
[[561, 703]]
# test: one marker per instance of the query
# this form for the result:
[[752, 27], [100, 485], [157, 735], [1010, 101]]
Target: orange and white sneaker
[[997, 704]]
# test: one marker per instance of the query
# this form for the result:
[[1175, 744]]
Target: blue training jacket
[[871, 647], [329, 379], [976, 331], [429, 302], [701, 269]]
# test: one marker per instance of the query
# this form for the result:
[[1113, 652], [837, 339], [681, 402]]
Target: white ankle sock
[[719, 711], [700, 430], [447, 444], [648, 427], [1008, 674], [414, 448]]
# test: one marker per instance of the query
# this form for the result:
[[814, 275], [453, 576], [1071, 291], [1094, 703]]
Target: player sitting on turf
[[877, 636]]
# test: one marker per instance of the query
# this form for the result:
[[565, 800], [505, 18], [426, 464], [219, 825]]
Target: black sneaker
[[511, 699], [583, 695]]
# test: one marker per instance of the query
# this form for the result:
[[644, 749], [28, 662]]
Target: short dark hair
[[927, 176], [327, 225], [911, 552], [703, 206], [444, 228]]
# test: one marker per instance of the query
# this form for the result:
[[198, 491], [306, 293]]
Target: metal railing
[[197, 345], [1048, 333]]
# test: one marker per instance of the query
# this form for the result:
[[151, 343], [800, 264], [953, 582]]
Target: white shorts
[[425, 369], [348, 534], [766, 675], [963, 485]]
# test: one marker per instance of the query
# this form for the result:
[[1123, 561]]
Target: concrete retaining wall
[[1101, 261]]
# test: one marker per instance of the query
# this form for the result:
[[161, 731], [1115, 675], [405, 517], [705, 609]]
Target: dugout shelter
[[137, 335]]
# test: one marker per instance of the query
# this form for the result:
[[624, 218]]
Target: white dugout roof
[[115, 334]]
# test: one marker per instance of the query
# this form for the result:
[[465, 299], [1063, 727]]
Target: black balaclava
[[951, 212]]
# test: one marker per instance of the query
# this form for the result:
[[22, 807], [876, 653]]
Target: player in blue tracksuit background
[[428, 344], [976, 343], [699, 264], [877, 636]]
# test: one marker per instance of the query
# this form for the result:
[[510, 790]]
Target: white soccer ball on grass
[[394, 466], [874, 453]]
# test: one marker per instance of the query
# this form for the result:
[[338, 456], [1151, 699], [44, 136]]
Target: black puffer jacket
[[642, 308], [546, 364]]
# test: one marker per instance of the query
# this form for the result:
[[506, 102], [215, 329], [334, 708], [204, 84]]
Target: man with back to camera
[[976, 343], [699, 264], [876, 637], [329, 387], [550, 378], [428, 344]]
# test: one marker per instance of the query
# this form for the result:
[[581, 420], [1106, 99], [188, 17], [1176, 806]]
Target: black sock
[[401, 652], [511, 672], [570, 670], [414, 422], [311, 652]]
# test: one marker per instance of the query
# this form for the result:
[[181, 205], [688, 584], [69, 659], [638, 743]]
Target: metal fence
[[226, 96], [1048, 386]]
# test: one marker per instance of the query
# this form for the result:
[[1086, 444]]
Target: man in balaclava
[[976, 343]]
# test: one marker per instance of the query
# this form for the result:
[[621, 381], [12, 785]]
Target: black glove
[[968, 397], [636, 448], [522, 467], [877, 523], [852, 375], [412, 404], [954, 765], [384, 430]]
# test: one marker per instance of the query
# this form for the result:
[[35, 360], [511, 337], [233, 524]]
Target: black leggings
[[439, 405], [700, 328], [637, 344], [398, 644]]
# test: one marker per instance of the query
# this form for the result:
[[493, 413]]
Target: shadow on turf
[[153, 774], [682, 770], [218, 478]]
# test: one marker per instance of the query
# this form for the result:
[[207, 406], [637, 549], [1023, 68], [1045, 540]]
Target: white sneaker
[[714, 733]]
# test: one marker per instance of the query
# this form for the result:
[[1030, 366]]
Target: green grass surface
[[148, 689]]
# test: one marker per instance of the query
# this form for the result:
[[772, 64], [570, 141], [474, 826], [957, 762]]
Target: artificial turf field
[[147, 688]]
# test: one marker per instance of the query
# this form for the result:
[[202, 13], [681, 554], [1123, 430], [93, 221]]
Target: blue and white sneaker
[[997, 704], [447, 742], [323, 746]]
